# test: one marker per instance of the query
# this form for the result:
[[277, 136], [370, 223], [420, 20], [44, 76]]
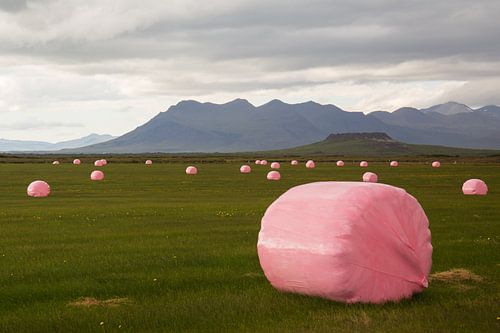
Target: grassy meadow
[[151, 249]]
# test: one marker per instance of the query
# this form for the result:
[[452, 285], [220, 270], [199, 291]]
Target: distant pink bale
[[310, 164], [436, 164], [294, 162], [98, 163], [257, 162], [263, 162], [475, 187], [370, 177], [77, 161], [191, 170], [363, 164], [56, 163], [97, 175], [275, 165], [394, 164], [148, 162], [245, 169], [346, 241], [104, 162], [340, 163], [38, 189], [273, 175]]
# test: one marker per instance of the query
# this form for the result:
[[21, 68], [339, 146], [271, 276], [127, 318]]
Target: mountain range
[[21, 145], [238, 126]]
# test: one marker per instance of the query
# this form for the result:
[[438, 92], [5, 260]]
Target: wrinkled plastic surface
[[370, 177], [273, 175], [310, 164], [245, 169], [97, 175], [340, 163], [394, 163], [275, 165], [475, 187], [148, 162], [38, 189], [346, 241], [294, 162], [77, 161], [363, 164], [436, 164], [191, 170]]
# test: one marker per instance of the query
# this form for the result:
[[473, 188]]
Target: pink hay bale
[[394, 163], [97, 175], [77, 161], [346, 241], [56, 163], [363, 164], [104, 162], [275, 165], [148, 162], [273, 175], [340, 163], [245, 169], [436, 164], [370, 177], [257, 162], [310, 164], [191, 170], [294, 162], [98, 163], [38, 189], [475, 187], [263, 162]]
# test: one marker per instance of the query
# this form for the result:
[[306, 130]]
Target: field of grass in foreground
[[166, 252]]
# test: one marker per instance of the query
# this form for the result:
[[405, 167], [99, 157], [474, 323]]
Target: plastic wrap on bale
[[346, 241]]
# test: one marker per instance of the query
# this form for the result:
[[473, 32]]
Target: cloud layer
[[110, 65]]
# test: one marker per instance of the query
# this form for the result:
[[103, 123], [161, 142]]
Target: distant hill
[[239, 126], [375, 144], [21, 145]]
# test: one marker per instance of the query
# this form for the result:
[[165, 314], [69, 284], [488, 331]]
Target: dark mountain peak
[[275, 103], [407, 111], [239, 102], [490, 108], [373, 136]]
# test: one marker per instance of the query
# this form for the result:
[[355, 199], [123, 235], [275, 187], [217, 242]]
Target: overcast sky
[[70, 68]]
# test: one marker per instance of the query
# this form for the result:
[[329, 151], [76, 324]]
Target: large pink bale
[[370, 177], [97, 175], [363, 164], [148, 162], [394, 164], [263, 162], [275, 165], [191, 170], [77, 161], [38, 189], [273, 175], [98, 163], [346, 241], [294, 162], [104, 162], [56, 163], [245, 169], [436, 164], [475, 187], [310, 164]]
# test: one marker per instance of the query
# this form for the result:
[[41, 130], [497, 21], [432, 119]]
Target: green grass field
[[180, 251]]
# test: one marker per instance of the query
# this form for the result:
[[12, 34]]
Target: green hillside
[[376, 144]]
